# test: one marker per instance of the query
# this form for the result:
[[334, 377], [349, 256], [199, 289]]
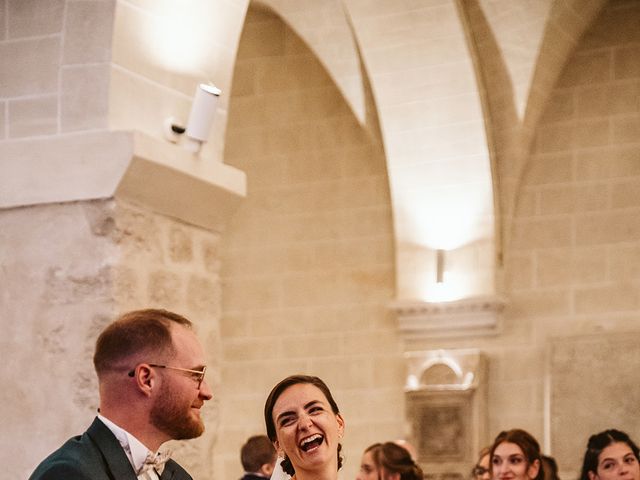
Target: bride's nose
[[304, 422]]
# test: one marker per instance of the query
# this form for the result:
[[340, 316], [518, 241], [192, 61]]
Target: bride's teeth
[[307, 441]]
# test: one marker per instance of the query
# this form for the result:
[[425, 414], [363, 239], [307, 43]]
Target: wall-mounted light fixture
[[200, 120], [439, 266]]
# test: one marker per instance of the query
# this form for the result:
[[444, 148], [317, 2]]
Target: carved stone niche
[[446, 397]]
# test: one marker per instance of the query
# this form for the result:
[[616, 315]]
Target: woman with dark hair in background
[[515, 455], [368, 466], [388, 461], [549, 467], [305, 426], [611, 455]]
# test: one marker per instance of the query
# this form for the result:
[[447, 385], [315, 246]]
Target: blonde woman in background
[[482, 469]]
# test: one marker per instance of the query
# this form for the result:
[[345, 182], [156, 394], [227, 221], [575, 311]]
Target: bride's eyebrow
[[288, 413]]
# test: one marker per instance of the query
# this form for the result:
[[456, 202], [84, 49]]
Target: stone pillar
[[70, 264], [68, 270]]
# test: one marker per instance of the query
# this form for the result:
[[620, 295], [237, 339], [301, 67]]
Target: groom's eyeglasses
[[197, 375]]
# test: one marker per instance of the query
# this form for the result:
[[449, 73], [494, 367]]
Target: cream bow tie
[[155, 461]]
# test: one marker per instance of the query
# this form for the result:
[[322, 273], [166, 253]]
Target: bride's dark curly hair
[[273, 397]]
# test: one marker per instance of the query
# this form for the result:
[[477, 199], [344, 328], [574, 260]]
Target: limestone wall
[[577, 234], [67, 271], [55, 66], [593, 388], [164, 263], [571, 267], [56, 282], [307, 262]]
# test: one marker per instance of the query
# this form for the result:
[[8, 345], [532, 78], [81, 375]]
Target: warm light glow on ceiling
[[452, 288], [448, 217], [181, 34]]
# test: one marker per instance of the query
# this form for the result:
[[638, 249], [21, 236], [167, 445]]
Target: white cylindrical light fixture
[[439, 265], [201, 116]]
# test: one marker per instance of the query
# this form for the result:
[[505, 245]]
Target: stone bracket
[[172, 181], [476, 316], [155, 174]]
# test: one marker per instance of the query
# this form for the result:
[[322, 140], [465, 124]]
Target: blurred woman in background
[[388, 461], [482, 469], [611, 455], [515, 455]]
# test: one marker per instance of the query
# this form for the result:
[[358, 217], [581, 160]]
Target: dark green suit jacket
[[96, 455]]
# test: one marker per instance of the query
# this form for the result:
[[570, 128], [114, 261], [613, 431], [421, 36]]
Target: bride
[[304, 423]]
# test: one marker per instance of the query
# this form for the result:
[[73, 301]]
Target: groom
[[150, 369]]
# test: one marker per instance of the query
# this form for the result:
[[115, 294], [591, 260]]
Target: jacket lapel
[[173, 471], [112, 452], [167, 473]]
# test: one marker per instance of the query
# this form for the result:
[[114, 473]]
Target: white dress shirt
[[134, 449]]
